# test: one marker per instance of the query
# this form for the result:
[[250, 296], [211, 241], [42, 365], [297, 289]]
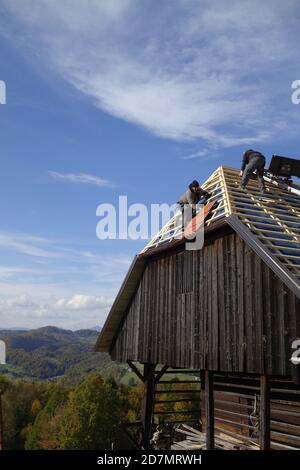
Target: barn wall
[[219, 308]]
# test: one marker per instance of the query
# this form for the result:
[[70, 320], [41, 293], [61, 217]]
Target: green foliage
[[174, 409], [3, 385], [17, 410], [45, 431], [92, 416], [74, 407], [49, 416], [45, 416]]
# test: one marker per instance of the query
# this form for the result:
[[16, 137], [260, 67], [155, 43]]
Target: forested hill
[[56, 354]]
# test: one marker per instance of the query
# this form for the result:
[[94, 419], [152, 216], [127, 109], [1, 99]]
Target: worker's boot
[[262, 189]]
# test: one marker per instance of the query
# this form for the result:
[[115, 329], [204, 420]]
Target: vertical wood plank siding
[[220, 308]]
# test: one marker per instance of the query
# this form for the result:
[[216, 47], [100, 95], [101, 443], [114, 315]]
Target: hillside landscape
[[56, 354], [57, 393]]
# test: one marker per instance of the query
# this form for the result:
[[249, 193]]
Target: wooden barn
[[226, 315]]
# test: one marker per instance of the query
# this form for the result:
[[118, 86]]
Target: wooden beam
[[263, 251], [160, 374], [264, 436], [295, 372], [209, 410], [148, 404], [202, 397], [136, 371]]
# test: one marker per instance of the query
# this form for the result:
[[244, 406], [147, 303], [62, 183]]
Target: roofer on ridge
[[253, 161]]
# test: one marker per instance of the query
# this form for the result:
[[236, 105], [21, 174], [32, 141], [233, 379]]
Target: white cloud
[[83, 178], [83, 302], [190, 69], [78, 311], [20, 301]]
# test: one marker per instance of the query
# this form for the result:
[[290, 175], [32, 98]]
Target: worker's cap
[[194, 183]]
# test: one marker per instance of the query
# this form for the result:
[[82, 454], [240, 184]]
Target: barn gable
[[269, 228], [220, 308]]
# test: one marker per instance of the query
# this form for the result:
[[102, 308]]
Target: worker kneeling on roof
[[253, 161], [193, 196]]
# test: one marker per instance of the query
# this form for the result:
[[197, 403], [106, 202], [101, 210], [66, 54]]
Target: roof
[[269, 224]]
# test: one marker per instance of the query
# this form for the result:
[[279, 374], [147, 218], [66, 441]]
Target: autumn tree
[[92, 416], [3, 388], [44, 433]]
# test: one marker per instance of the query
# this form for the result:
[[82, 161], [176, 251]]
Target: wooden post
[[148, 404], [202, 398], [209, 410], [265, 433]]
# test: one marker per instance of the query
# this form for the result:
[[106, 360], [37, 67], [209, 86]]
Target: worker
[[193, 196], [253, 161]]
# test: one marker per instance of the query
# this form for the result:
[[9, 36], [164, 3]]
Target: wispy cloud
[[43, 281], [208, 71], [27, 245], [83, 302], [83, 178], [205, 152]]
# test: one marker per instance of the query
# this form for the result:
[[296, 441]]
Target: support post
[[202, 398], [265, 432], [209, 410], [148, 404]]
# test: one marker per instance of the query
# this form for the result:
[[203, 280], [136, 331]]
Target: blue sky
[[109, 98]]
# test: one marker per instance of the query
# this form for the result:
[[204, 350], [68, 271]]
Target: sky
[[124, 97]]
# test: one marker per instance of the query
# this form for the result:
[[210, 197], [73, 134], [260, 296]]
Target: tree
[[17, 410], [45, 431], [92, 416], [36, 407], [3, 387]]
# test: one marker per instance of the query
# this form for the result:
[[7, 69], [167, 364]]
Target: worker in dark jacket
[[253, 161], [193, 196]]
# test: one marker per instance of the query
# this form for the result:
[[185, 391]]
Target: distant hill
[[96, 328], [52, 353]]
